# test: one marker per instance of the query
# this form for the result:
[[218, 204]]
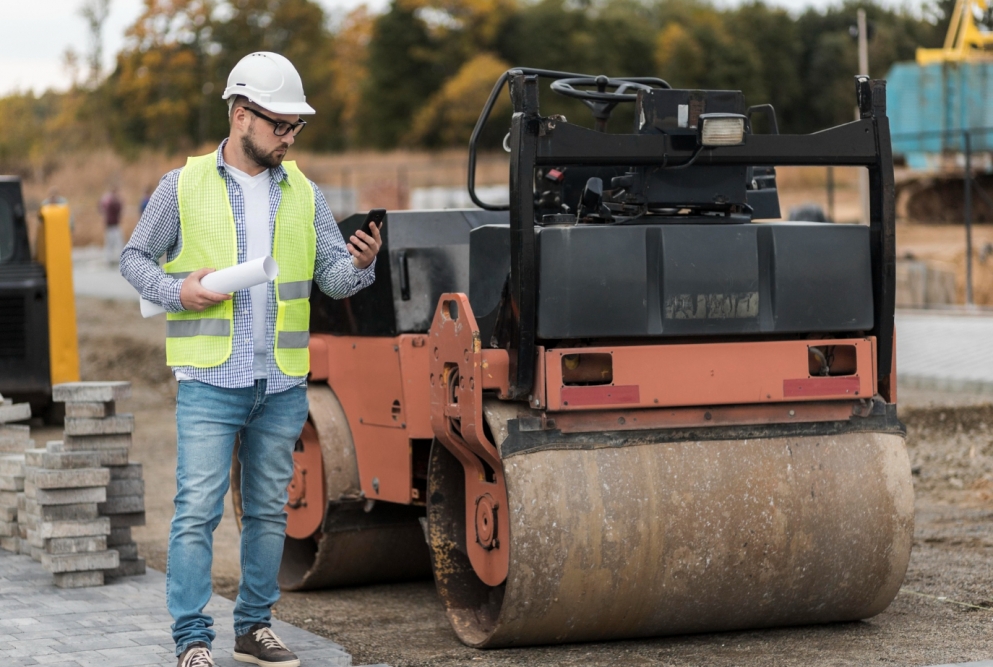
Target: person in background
[[110, 208]]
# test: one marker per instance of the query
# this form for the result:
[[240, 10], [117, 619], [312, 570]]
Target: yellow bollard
[[55, 254]]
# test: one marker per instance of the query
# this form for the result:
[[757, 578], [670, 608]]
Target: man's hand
[[195, 296], [363, 247]]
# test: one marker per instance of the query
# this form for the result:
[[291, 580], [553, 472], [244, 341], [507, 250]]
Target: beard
[[257, 155]]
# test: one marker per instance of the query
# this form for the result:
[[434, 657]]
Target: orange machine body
[[384, 385]]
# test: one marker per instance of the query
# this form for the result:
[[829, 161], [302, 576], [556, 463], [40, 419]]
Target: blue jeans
[[208, 418]]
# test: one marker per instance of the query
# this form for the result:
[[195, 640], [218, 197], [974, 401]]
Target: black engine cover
[[702, 279]]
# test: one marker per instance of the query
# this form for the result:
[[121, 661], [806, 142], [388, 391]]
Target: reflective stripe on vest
[[204, 339], [202, 327], [295, 290], [293, 340]]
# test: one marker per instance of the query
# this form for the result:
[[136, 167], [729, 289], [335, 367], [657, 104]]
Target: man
[[110, 207], [241, 363]]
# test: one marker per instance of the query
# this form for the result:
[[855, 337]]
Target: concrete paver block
[[17, 412], [93, 410], [89, 443], [11, 483], [105, 456], [42, 458], [119, 536], [113, 457], [34, 540], [122, 505], [12, 464], [129, 471], [72, 545], [26, 521], [128, 568], [106, 426], [15, 432], [125, 487], [127, 520], [74, 478], [79, 579], [14, 445], [127, 551], [8, 528], [71, 512], [93, 494], [11, 544], [91, 392], [8, 498], [79, 562], [50, 529], [8, 514]]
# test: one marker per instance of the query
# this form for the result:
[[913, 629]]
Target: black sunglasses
[[280, 127]]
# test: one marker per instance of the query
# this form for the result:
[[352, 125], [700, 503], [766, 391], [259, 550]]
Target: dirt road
[[943, 614]]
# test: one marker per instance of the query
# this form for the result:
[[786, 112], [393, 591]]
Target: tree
[[348, 72], [703, 52], [447, 119], [95, 12], [159, 82], [404, 71]]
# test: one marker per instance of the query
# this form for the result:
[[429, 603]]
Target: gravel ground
[[944, 613]]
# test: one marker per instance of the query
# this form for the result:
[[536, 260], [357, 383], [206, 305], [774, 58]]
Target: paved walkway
[[951, 351], [122, 624]]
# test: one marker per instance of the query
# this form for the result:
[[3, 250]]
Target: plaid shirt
[[158, 232]]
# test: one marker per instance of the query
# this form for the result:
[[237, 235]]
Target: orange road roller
[[629, 403]]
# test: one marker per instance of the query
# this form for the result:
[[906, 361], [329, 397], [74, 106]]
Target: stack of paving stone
[[65, 532], [14, 440], [93, 425]]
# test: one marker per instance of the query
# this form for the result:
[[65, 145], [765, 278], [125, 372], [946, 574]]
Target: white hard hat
[[270, 81]]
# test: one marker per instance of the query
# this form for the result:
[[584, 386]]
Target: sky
[[37, 34]]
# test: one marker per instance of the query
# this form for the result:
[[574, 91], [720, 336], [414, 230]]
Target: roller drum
[[665, 538], [365, 555]]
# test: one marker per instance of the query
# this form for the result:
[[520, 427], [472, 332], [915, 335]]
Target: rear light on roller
[[721, 129]]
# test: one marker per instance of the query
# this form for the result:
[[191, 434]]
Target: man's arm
[[156, 233], [335, 273]]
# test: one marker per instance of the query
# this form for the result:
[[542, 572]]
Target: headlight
[[721, 129]]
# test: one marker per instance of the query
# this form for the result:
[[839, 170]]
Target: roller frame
[[457, 419]]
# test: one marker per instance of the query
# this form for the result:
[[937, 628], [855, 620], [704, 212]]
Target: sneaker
[[261, 646], [196, 655]]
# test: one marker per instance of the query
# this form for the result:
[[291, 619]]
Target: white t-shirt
[[255, 190]]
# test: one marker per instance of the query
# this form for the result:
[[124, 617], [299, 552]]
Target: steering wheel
[[600, 101]]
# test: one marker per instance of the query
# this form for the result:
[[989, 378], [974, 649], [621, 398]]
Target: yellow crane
[[965, 40]]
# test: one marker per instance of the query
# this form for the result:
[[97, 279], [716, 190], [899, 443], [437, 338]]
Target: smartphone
[[374, 217]]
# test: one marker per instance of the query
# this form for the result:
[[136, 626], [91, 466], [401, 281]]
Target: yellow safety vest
[[204, 339]]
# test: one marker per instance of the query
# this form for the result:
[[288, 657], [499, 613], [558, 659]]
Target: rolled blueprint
[[225, 281]]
